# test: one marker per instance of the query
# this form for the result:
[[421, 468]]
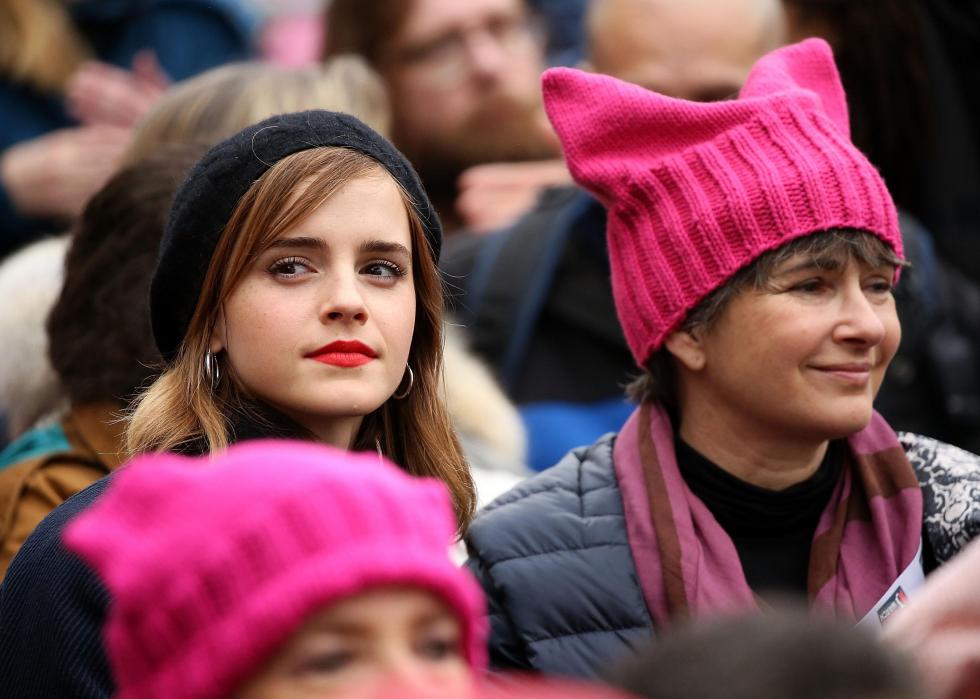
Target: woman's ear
[[219, 333], [687, 348]]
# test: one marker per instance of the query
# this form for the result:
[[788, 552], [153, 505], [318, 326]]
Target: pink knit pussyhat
[[696, 191], [211, 564]]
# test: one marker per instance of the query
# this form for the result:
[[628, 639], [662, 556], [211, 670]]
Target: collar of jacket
[[99, 428]]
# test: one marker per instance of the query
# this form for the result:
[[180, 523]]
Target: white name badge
[[898, 594]]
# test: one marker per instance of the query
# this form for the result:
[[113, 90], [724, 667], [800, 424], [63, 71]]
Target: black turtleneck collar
[[253, 421], [772, 530]]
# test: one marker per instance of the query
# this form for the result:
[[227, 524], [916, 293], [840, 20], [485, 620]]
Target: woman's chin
[[844, 423]]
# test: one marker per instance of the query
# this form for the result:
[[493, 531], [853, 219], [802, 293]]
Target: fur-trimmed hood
[[478, 407]]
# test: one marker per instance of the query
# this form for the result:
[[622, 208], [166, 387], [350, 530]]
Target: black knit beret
[[205, 201]]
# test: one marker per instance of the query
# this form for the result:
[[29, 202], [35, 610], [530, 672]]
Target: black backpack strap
[[512, 276]]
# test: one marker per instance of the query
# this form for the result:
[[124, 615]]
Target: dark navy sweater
[[52, 607]]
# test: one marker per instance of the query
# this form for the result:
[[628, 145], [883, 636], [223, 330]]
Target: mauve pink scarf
[[688, 566]]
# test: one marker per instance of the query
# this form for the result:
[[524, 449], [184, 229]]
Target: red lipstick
[[343, 353]]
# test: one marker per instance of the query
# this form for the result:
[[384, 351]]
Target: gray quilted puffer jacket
[[553, 558]]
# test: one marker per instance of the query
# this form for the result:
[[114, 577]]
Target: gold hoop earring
[[212, 372], [408, 389]]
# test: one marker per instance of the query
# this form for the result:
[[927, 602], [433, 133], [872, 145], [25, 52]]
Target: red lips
[[343, 353]]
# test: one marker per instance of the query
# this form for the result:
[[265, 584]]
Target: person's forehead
[[381, 605], [707, 79], [428, 18], [682, 48]]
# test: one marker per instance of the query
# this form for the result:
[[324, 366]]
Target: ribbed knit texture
[[51, 610], [696, 191], [279, 530]]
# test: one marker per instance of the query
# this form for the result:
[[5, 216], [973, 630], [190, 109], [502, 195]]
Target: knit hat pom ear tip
[[813, 45], [555, 77], [559, 104], [808, 65], [559, 86]]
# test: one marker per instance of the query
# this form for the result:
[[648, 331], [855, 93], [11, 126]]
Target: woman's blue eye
[[289, 267]]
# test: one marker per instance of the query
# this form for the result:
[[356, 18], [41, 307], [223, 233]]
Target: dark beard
[[501, 130]]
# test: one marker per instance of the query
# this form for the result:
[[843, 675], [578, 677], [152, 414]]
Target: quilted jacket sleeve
[[507, 651], [554, 560]]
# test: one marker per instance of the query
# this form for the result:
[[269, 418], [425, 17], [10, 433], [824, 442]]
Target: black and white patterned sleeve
[[950, 480]]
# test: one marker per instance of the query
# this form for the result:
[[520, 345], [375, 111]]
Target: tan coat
[[31, 488]]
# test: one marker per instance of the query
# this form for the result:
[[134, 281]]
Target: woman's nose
[[860, 322], [342, 300]]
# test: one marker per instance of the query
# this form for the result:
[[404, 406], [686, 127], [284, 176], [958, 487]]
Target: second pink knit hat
[[211, 564], [696, 191]]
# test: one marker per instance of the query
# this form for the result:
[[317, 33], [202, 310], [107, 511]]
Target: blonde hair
[[222, 101], [39, 44], [180, 411]]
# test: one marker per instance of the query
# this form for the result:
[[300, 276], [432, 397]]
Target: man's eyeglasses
[[448, 59]]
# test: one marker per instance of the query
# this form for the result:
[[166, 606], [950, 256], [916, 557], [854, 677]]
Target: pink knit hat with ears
[[211, 564], [696, 191]]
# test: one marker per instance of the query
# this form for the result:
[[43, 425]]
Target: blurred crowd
[[168, 529]]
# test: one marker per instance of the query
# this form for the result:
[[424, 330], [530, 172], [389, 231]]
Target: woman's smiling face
[[321, 325], [803, 357]]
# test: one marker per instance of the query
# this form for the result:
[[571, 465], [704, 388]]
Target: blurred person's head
[[99, 336], [773, 655], [39, 44], [699, 50], [217, 103], [463, 78], [314, 572]]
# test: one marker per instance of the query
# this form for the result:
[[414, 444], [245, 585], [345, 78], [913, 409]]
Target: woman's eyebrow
[[825, 264], [384, 246], [351, 629], [434, 618], [299, 242], [370, 246]]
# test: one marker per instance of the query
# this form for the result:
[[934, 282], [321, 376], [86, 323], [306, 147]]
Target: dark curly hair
[[100, 342]]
